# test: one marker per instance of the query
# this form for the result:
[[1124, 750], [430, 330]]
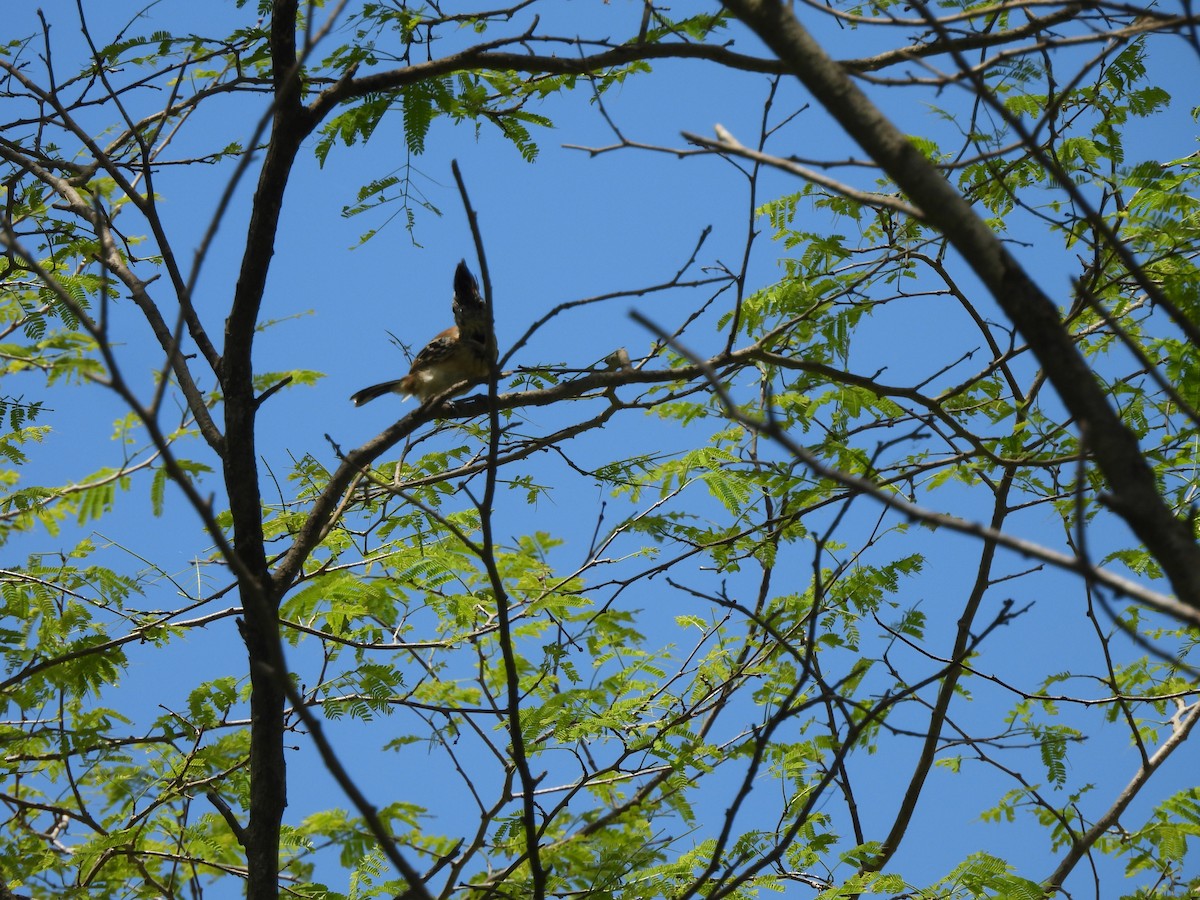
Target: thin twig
[[487, 554]]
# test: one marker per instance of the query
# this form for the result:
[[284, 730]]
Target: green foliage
[[724, 678], [1160, 844], [983, 875]]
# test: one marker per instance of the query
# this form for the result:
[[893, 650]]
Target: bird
[[463, 353]]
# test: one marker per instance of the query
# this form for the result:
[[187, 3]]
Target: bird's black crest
[[466, 289]]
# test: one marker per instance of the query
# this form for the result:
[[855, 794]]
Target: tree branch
[[1135, 493], [771, 429]]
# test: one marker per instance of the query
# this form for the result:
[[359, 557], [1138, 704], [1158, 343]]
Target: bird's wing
[[437, 350]]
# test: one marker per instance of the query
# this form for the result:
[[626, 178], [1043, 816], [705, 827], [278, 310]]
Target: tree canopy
[[826, 526]]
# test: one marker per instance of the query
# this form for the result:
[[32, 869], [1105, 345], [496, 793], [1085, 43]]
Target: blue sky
[[568, 226]]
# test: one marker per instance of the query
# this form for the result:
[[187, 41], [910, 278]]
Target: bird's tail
[[398, 386]]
